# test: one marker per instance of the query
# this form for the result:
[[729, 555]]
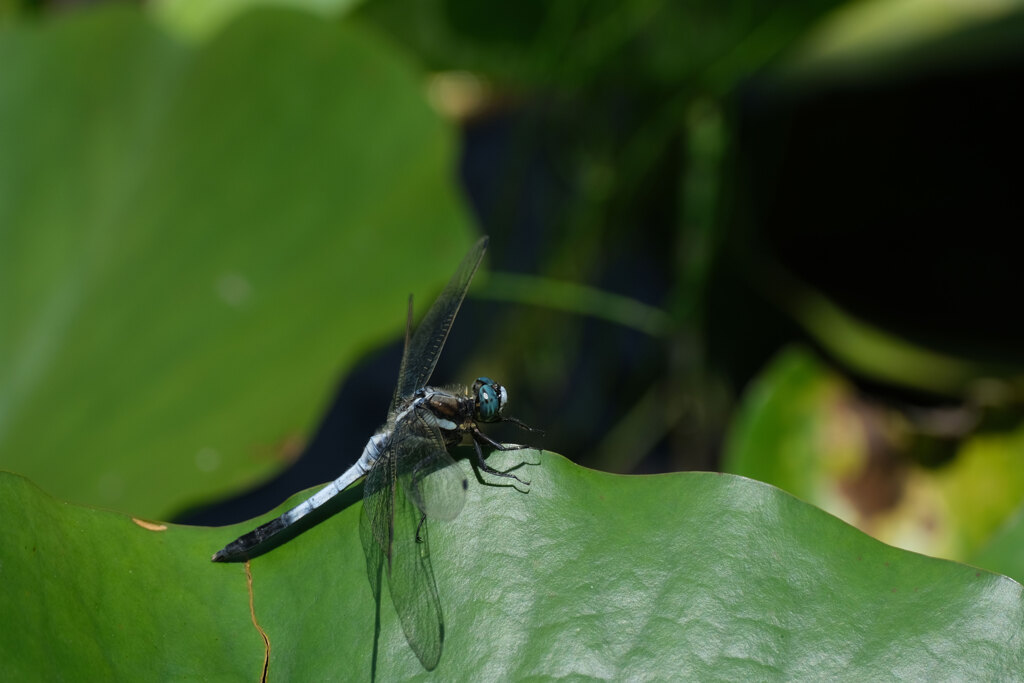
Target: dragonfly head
[[490, 399]]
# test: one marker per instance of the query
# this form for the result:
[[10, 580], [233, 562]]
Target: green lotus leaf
[[696, 576]]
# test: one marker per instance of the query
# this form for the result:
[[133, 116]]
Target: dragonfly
[[409, 474]]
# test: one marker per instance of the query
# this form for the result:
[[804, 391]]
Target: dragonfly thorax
[[490, 399]]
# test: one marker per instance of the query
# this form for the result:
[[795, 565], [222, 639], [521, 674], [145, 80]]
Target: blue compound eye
[[490, 399]]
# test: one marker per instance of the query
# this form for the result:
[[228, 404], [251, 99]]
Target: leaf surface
[[695, 575]]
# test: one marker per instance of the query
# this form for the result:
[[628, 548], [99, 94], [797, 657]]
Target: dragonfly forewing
[[424, 348]]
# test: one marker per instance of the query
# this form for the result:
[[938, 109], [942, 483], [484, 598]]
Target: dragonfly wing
[[411, 580], [414, 478], [426, 472], [395, 541], [423, 349], [375, 522], [372, 549]]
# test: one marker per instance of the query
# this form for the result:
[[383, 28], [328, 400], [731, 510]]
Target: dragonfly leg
[[479, 436], [423, 518], [522, 425]]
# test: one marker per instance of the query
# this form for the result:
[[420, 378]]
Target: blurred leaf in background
[[902, 476], [1004, 553], [202, 19], [195, 241]]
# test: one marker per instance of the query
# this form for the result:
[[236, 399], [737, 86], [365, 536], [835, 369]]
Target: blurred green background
[[774, 239]]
